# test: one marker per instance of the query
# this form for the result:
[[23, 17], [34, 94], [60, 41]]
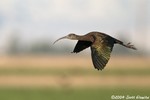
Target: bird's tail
[[128, 45]]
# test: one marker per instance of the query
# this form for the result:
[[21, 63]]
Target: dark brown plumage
[[101, 46]]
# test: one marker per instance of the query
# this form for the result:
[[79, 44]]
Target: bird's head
[[71, 36]]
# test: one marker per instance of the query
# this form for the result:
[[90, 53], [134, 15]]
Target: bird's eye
[[69, 35]]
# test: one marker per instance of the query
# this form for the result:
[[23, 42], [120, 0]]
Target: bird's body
[[101, 46]]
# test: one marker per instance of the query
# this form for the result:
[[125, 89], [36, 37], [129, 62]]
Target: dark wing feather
[[100, 53], [81, 45]]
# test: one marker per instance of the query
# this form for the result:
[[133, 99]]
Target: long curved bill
[[65, 37]]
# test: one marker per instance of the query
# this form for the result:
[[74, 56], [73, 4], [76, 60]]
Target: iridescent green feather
[[100, 52]]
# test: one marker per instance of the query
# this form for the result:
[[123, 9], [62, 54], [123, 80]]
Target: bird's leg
[[129, 45]]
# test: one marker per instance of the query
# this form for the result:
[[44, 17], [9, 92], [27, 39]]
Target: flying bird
[[101, 46]]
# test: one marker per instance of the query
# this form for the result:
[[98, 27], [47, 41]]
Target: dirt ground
[[69, 61], [74, 81], [67, 80]]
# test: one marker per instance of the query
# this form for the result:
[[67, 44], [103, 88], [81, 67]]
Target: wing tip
[[99, 69]]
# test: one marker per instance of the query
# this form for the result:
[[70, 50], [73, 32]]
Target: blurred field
[[70, 94], [71, 78]]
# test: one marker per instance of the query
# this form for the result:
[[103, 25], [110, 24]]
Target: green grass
[[74, 71], [68, 94]]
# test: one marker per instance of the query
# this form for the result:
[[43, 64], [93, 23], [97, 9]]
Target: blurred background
[[32, 68]]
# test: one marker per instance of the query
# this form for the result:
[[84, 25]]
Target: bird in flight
[[101, 46]]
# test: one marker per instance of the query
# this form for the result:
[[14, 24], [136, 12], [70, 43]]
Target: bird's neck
[[78, 37], [85, 38]]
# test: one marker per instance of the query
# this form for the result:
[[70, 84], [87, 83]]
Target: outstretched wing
[[81, 45], [100, 52]]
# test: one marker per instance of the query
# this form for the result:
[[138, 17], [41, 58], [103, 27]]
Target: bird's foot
[[129, 45]]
